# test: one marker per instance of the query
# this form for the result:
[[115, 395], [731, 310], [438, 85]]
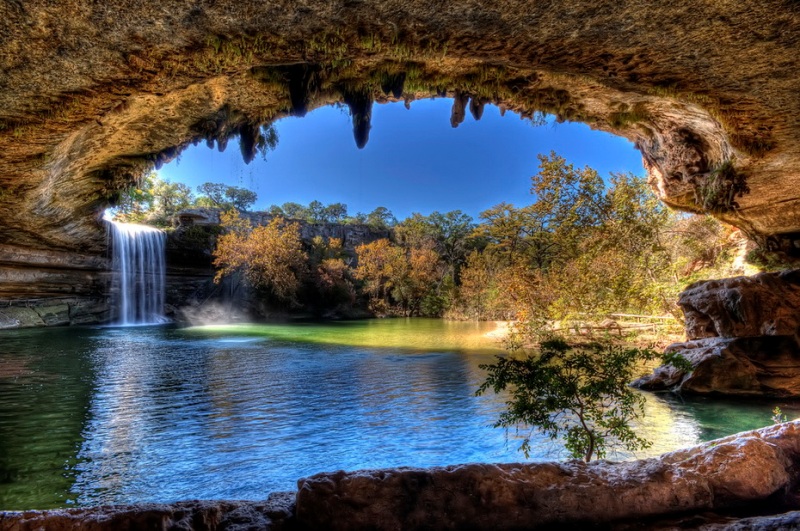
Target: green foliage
[[777, 416], [315, 212], [218, 195], [578, 394], [380, 219], [152, 200], [718, 192]]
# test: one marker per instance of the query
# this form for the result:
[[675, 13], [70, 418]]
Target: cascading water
[[139, 273]]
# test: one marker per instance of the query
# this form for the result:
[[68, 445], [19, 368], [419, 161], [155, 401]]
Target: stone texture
[[756, 366], [765, 304], [274, 514], [743, 338], [731, 472], [46, 287]]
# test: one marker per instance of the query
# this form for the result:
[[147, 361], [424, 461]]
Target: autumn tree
[[270, 257], [331, 275], [380, 265]]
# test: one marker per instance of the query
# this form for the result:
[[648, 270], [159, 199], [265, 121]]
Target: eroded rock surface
[[743, 335], [274, 514], [766, 304], [732, 472]]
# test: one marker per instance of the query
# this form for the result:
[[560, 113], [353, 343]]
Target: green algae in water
[[409, 334]]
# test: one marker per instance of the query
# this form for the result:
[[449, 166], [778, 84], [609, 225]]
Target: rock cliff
[[747, 481], [743, 335], [191, 294]]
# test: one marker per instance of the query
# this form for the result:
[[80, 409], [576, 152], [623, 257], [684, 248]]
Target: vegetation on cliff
[[584, 248]]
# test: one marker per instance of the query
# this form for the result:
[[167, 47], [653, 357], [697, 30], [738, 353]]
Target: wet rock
[[732, 472], [762, 366]]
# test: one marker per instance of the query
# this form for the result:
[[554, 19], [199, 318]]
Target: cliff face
[[191, 294], [51, 288]]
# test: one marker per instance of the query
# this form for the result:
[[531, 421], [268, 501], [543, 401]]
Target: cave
[[707, 95], [95, 95]]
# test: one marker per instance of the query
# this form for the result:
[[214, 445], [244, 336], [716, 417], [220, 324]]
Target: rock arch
[[93, 95]]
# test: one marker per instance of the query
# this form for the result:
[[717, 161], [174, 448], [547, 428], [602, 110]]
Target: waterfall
[[139, 272]]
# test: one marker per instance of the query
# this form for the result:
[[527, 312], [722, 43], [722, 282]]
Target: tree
[[276, 211], [381, 218], [153, 201], [380, 265], [316, 212], [240, 198], [270, 257], [170, 198], [294, 210], [219, 195], [580, 394], [135, 203], [335, 213]]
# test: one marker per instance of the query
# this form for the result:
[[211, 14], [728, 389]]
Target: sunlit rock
[[731, 472], [743, 338]]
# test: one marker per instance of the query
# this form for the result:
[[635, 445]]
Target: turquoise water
[[120, 415]]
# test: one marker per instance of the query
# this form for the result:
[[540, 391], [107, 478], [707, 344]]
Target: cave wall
[[94, 95]]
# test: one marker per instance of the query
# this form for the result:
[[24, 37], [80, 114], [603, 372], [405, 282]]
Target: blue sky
[[414, 161]]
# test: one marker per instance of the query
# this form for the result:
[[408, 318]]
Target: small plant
[[579, 394], [718, 192], [777, 416]]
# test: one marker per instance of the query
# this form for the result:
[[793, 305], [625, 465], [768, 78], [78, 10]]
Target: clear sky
[[414, 161]]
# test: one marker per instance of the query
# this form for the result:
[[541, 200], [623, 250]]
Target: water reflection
[[160, 414]]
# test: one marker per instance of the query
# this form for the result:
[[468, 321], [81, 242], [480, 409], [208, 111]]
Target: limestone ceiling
[[93, 94]]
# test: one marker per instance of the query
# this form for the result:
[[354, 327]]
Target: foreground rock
[[735, 472], [274, 514], [742, 336], [710, 486], [758, 366]]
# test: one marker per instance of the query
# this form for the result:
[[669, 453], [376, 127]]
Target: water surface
[[122, 415]]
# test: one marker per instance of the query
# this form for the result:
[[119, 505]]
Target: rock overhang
[[93, 96]]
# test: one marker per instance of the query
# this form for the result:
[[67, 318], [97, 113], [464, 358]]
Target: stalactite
[[360, 103], [458, 112], [476, 106]]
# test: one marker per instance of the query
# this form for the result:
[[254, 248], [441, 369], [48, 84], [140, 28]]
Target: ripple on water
[[161, 414]]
